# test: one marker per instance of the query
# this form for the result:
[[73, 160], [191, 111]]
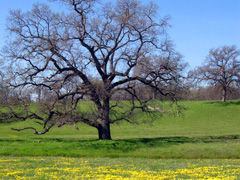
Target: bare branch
[[35, 131]]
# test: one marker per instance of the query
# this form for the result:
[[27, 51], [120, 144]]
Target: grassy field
[[204, 130], [202, 143]]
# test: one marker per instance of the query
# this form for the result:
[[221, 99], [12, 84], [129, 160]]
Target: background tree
[[221, 68], [3, 90], [88, 52], [210, 93]]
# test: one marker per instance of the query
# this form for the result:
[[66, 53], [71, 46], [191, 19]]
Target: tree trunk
[[104, 127], [104, 132], [154, 93], [224, 95]]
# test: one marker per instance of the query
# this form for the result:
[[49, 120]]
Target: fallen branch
[[155, 109]]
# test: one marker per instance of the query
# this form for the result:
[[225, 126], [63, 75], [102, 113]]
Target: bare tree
[[168, 69], [3, 90], [221, 67], [211, 93], [64, 53]]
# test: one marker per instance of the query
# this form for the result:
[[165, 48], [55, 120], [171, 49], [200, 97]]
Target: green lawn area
[[204, 130], [203, 140]]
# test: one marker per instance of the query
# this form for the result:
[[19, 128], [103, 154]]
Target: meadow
[[116, 168], [201, 143]]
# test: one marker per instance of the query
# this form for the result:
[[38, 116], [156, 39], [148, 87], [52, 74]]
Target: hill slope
[[204, 130]]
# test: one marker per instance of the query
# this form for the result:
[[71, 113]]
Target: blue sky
[[197, 25]]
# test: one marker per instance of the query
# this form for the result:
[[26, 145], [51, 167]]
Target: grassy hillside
[[204, 130]]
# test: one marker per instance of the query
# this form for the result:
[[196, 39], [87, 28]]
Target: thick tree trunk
[[104, 132], [104, 127]]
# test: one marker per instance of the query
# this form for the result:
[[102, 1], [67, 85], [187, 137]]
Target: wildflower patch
[[116, 168]]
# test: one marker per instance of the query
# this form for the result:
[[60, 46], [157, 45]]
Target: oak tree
[[87, 53], [220, 68]]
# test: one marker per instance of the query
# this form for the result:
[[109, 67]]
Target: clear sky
[[197, 25]]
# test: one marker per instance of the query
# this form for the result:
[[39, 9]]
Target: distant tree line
[[192, 92]]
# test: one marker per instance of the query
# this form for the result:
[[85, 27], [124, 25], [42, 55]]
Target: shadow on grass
[[114, 146], [137, 147], [124, 145], [133, 144], [227, 103]]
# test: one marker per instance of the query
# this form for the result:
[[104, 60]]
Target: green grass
[[204, 130]]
